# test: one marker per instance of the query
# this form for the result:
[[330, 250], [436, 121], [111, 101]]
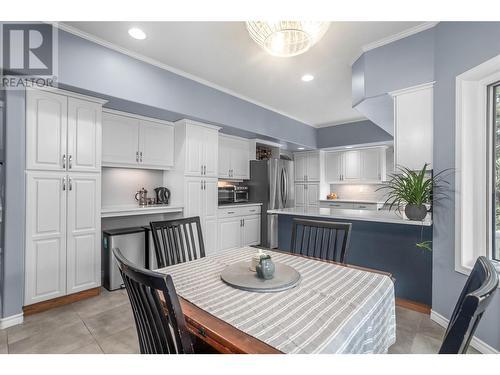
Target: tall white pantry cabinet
[[63, 194]]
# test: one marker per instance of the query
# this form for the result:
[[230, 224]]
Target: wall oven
[[233, 194]]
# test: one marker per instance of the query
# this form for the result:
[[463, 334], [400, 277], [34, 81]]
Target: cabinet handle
[[70, 161], [64, 161], [70, 183], [230, 212], [140, 154], [137, 156], [361, 206], [201, 169], [204, 185], [204, 170], [201, 184], [64, 183], [252, 210], [243, 220]]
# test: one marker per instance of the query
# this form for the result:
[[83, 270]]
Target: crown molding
[[94, 39], [335, 123], [395, 37]]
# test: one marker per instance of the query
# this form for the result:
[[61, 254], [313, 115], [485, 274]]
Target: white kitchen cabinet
[[46, 130], [371, 164], [62, 234], [201, 200], [134, 141], [238, 231], [45, 257], [84, 136], [333, 166], [234, 158], [307, 195], [413, 126], [83, 232], [201, 146], [307, 166], [352, 165]]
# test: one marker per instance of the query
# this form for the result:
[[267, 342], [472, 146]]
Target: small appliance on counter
[[231, 194], [162, 195]]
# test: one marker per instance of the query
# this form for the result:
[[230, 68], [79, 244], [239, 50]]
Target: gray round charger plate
[[238, 275]]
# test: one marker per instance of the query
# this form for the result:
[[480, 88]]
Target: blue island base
[[385, 247]]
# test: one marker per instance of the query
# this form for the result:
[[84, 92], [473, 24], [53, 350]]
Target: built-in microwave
[[233, 194]]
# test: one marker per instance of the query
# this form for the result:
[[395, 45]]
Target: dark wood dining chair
[[161, 329], [326, 240], [177, 241], [471, 305]]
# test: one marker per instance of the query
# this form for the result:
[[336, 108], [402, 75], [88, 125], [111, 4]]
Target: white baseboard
[[476, 343], [10, 321]]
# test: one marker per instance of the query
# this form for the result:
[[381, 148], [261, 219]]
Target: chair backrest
[[321, 239], [177, 241], [473, 301], [161, 328]]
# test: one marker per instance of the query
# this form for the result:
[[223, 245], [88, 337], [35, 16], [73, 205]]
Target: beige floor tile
[[123, 342], [43, 322], [425, 344], [3, 342], [104, 302], [61, 340], [92, 348], [110, 322]]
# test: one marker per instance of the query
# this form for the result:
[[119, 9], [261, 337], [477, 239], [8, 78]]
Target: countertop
[[380, 216], [351, 201], [239, 205]]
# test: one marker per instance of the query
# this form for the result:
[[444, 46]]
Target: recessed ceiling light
[[300, 148], [137, 33], [348, 146], [307, 77]]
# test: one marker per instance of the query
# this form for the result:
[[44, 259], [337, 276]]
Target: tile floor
[[104, 324]]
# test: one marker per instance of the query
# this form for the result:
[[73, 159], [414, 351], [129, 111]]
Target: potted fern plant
[[413, 190]]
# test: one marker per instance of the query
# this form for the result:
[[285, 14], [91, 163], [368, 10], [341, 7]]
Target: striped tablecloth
[[335, 309]]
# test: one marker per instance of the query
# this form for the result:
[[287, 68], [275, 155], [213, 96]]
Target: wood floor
[[104, 324]]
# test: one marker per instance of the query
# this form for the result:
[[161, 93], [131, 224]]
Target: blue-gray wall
[[351, 134], [438, 54]]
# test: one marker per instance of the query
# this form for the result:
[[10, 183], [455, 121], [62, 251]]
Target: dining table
[[335, 308]]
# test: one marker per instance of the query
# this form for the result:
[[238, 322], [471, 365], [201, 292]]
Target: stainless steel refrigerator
[[272, 184]]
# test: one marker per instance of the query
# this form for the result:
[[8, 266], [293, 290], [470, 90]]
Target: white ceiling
[[223, 55]]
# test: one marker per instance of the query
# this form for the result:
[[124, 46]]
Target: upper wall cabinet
[[308, 166], [137, 142], [62, 132], [413, 126], [357, 165], [197, 148], [234, 158]]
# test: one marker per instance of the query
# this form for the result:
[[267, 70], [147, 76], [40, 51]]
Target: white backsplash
[[362, 192]]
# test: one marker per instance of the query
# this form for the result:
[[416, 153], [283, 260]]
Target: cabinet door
[[333, 166], [84, 232], [300, 166], [240, 163], [156, 145], [312, 195], [370, 164], [224, 155], [229, 233], [210, 152], [209, 213], [300, 195], [194, 150], [46, 130], [84, 136], [120, 140], [193, 205], [209, 228], [45, 258], [352, 165], [251, 230], [312, 166]]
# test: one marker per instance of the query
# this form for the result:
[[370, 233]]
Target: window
[[495, 121]]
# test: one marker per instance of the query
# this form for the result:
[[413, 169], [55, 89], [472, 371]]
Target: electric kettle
[[162, 195]]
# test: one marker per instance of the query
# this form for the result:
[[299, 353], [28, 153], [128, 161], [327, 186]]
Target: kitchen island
[[383, 240]]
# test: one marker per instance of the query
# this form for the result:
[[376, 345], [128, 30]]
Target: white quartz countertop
[[380, 216], [239, 205], [134, 210], [351, 201]]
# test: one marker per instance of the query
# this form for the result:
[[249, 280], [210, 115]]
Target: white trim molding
[[473, 219], [476, 343], [12, 320]]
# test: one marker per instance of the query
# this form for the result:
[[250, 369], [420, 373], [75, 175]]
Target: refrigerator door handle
[[284, 187]]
